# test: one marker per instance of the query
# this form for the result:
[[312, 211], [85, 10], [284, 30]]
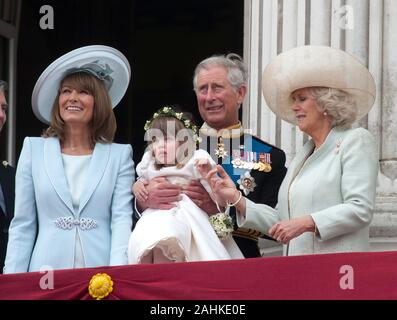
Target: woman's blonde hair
[[103, 124], [339, 105]]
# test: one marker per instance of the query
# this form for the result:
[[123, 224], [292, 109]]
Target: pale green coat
[[335, 185]]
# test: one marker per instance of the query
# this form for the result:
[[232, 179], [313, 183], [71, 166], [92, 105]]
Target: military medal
[[220, 150], [248, 165], [264, 162], [256, 166], [267, 168], [247, 183], [237, 163]]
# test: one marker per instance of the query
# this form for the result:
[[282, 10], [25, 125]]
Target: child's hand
[[139, 190], [203, 166]]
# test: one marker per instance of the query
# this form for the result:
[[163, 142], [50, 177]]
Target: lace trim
[[68, 223]]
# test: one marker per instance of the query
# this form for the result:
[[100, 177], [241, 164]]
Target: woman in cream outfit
[[326, 200]]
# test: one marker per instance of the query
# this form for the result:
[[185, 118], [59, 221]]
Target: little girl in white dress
[[183, 233]]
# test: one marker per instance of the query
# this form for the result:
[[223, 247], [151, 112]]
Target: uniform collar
[[233, 131]]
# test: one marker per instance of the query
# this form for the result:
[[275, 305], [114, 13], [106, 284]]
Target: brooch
[[5, 164], [101, 285], [338, 143], [247, 183]]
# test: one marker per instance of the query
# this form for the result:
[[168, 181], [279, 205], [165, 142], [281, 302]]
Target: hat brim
[[47, 86], [316, 66]]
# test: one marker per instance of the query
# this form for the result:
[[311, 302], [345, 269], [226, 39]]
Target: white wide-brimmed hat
[[106, 63], [316, 66]]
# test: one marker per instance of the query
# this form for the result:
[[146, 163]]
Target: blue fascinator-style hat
[[106, 63], [98, 69]]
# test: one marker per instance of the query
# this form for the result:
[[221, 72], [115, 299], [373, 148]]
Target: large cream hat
[[105, 63], [315, 66]]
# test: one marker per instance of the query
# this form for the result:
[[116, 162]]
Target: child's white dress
[[183, 233]]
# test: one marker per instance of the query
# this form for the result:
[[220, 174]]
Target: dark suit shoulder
[[7, 176], [274, 148], [7, 181], [278, 157], [6, 167]]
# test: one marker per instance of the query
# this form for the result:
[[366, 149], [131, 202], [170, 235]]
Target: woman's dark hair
[[103, 124]]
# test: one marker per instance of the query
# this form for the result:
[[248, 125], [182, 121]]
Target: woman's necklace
[[77, 150]]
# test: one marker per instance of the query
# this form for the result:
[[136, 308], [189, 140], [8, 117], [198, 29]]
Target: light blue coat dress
[[336, 185], [43, 231]]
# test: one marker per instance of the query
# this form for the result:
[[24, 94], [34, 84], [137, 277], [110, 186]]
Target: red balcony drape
[[370, 276]]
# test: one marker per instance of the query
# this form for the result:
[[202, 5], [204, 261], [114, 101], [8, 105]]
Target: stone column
[[358, 35], [260, 47], [289, 41], [268, 123], [383, 122], [388, 159], [320, 22]]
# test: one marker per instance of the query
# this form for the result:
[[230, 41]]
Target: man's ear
[[242, 91]]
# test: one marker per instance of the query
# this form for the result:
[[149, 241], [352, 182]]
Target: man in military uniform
[[7, 180], [257, 168]]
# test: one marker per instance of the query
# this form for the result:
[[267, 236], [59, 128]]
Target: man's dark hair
[[3, 86]]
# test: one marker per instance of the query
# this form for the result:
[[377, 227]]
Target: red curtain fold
[[366, 276]]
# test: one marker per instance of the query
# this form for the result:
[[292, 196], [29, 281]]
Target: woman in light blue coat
[[326, 200], [73, 206]]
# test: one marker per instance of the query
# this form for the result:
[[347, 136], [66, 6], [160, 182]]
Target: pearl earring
[[326, 114]]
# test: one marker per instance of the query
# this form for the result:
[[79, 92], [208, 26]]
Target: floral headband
[[169, 112]]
